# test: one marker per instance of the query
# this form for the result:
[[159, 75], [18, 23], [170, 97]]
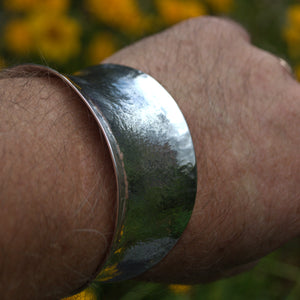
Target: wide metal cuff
[[154, 161]]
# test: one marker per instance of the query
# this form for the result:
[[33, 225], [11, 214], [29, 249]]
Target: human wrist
[[227, 90]]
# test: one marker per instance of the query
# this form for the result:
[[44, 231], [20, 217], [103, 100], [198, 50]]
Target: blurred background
[[71, 34]]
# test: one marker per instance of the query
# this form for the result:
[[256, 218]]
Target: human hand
[[243, 110]]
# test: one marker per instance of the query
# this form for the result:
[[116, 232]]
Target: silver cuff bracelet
[[154, 163]]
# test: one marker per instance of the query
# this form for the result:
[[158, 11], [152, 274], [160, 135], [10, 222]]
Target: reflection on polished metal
[[154, 160]]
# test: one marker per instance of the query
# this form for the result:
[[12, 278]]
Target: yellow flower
[[293, 16], [173, 11], [19, 5], [86, 294], [180, 288], [38, 5], [56, 36], [221, 6], [124, 15], [18, 37], [291, 32], [292, 37], [109, 273], [102, 46]]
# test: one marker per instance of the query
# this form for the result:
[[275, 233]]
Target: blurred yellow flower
[[86, 294], [173, 11], [221, 6], [118, 251], [292, 37], [293, 16], [37, 5], [101, 46], [124, 15], [19, 5], [18, 37], [291, 32], [180, 288], [109, 272], [56, 36]]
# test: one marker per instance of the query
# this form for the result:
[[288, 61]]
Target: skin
[[57, 182]]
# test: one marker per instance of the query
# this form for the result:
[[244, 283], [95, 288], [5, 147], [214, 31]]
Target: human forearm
[[57, 190], [243, 112]]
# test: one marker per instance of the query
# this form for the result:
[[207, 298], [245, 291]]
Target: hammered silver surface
[[154, 161]]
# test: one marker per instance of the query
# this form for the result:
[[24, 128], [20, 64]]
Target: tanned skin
[[58, 189]]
